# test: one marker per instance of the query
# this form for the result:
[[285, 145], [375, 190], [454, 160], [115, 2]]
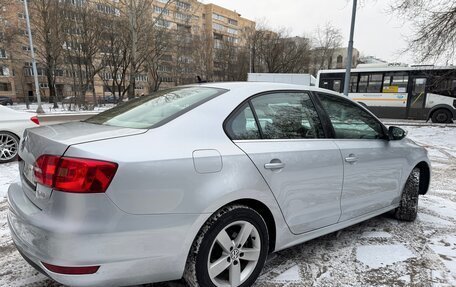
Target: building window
[[232, 31], [160, 10], [163, 23], [340, 59], [233, 40], [5, 87], [4, 71], [44, 85], [107, 9], [26, 48], [3, 54], [183, 5], [181, 16], [218, 17], [218, 27], [233, 22], [218, 36]]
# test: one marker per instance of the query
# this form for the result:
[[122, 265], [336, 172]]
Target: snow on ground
[[379, 252]]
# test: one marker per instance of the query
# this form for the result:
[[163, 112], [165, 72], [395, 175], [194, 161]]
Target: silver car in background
[[203, 182]]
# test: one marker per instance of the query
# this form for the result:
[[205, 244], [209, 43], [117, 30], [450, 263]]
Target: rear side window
[[156, 109], [281, 115], [242, 126]]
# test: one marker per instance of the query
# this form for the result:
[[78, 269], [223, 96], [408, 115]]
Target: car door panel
[[372, 165], [308, 187], [372, 181]]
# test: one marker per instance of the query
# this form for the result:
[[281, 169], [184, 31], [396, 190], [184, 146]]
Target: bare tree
[[115, 56], [277, 52], [326, 41], [202, 50], [83, 27], [434, 22]]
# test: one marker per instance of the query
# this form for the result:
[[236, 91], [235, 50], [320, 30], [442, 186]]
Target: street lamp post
[[350, 49], [39, 110]]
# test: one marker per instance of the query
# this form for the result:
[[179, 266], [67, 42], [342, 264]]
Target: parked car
[[12, 126], [203, 181], [4, 101]]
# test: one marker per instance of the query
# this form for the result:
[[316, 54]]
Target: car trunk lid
[[55, 140]]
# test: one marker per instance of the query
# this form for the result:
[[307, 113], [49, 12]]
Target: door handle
[[274, 165], [351, 158]]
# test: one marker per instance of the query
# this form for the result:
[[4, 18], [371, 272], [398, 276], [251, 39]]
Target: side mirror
[[396, 133]]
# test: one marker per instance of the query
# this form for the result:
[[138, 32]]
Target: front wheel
[[9, 145], [230, 250], [408, 208]]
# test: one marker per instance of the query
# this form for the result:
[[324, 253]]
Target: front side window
[[349, 120], [287, 115], [156, 109]]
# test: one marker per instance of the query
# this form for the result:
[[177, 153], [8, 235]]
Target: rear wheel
[[408, 208], [230, 250], [9, 145], [442, 116]]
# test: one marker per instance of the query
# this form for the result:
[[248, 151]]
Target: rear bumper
[[130, 249]]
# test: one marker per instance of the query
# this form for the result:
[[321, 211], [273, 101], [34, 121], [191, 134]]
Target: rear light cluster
[[77, 175]]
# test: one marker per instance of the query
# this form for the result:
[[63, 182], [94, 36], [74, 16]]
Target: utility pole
[[39, 110], [350, 49]]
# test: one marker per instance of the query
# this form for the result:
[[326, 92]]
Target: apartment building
[[182, 63]]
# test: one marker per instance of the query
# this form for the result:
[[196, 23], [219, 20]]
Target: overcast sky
[[378, 33]]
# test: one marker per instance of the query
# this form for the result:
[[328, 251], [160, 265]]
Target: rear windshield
[[157, 109]]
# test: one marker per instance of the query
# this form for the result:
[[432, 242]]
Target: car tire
[[442, 116], [219, 244], [9, 147], [408, 208]]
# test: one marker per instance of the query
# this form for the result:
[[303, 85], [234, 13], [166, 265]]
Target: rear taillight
[[35, 120], [45, 168], [78, 175]]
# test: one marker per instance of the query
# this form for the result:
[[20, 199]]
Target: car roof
[[258, 87]]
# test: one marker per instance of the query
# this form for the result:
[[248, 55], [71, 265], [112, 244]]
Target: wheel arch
[[10, 132], [425, 177], [441, 106], [267, 215]]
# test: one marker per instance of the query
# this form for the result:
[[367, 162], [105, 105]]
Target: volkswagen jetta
[[202, 182]]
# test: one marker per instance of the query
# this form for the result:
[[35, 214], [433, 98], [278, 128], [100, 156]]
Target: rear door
[[372, 164], [282, 134]]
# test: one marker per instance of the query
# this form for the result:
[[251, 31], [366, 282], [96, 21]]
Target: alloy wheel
[[8, 147], [234, 254]]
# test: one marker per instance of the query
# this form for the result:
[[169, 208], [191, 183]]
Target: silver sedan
[[203, 182]]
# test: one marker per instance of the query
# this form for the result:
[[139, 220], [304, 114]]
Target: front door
[[417, 99], [302, 169], [372, 164]]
